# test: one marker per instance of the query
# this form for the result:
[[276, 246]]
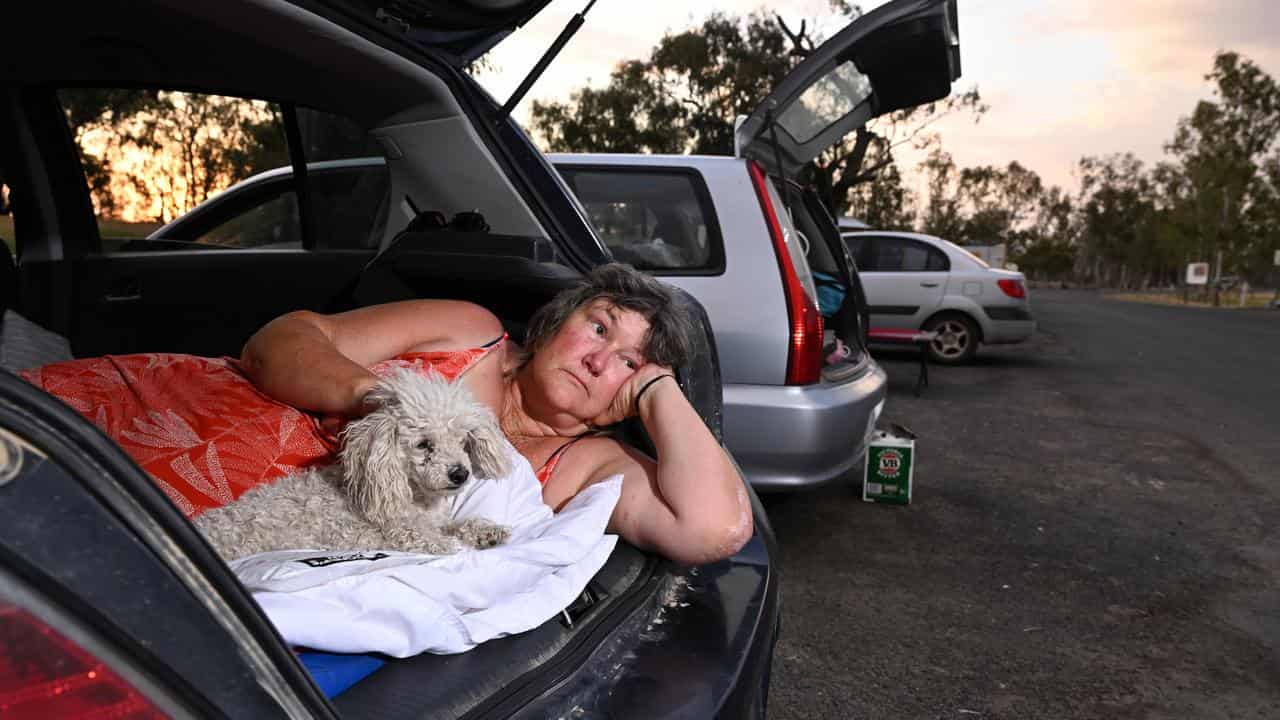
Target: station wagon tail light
[[804, 355], [1012, 288], [45, 675]]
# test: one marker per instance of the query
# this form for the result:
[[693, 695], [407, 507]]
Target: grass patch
[[1230, 299]]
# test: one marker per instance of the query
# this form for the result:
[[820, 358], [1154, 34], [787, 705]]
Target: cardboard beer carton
[[890, 465]]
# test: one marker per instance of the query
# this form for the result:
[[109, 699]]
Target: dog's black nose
[[458, 475]]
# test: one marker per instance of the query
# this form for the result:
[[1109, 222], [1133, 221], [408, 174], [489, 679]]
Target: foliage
[[1116, 214], [90, 109], [1228, 188], [942, 215], [1217, 195], [883, 202], [685, 96], [988, 205], [1215, 198], [154, 155]]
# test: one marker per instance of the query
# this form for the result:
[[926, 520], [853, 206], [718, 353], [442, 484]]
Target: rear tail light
[[804, 356], [45, 675], [1012, 288]]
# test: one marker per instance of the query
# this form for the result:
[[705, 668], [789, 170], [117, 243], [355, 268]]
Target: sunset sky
[[1064, 78]]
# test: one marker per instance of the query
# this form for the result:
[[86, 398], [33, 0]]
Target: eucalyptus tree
[[685, 96]]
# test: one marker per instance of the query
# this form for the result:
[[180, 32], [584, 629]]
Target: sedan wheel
[[956, 342]]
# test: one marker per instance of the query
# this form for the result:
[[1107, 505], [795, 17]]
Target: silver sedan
[[916, 281]]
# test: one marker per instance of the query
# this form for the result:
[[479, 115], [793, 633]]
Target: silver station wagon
[[801, 394]]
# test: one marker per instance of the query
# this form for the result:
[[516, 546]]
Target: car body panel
[[801, 437], [904, 300], [124, 564], [903, 53]]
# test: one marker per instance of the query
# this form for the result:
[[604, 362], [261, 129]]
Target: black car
[[111, 603]]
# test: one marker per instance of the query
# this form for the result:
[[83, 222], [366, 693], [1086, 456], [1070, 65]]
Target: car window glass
[[885, 255], [348, 181], [826, 101], [937, 261], [854, 243], [895, 254], [915, 257], [653, 220], [273, 223], [149, 156]]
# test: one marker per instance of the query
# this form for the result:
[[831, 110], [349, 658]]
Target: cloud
[[1069, 79]]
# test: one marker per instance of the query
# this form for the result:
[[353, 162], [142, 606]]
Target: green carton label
[[888, 474]]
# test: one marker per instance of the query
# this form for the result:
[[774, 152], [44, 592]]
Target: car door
[[904, 279], [113, 286]]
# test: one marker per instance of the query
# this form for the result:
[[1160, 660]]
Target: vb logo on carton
[[890, 463]]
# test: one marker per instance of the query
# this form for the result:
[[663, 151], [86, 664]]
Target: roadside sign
[[1197, 273], [1278, 257]]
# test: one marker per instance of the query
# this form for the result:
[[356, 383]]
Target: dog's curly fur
[[425, 441]]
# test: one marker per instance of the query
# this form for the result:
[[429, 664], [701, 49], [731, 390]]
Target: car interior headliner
[[265, 49]]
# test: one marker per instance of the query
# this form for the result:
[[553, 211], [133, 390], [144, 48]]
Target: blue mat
[[335, 673]]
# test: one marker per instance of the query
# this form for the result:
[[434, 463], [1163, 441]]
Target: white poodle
[[425, 441]]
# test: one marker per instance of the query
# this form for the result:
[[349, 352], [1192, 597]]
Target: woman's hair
[[670, 324]]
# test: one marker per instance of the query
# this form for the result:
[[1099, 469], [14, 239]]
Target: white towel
[[402, 604]]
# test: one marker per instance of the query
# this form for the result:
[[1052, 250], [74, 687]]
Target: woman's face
[[590, 356]]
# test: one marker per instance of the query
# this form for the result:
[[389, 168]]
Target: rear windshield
[[658, 220], [825, 102]]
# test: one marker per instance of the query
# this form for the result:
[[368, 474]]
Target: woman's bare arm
[[318, 362], [691, 505]]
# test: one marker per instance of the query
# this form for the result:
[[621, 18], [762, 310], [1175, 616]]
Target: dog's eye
[[424, 445]]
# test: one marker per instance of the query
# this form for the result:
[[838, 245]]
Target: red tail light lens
[[45, 675], [804, 359], [1012, 288]]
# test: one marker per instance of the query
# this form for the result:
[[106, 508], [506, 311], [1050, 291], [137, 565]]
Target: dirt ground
[[1093, 533]]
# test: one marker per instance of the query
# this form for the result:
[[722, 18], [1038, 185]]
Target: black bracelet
[[646, 387]]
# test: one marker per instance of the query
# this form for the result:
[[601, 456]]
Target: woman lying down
[[209, 429]]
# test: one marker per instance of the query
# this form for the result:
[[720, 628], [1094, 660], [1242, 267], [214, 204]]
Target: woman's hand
[[624, 402]]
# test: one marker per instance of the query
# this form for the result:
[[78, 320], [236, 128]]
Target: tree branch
[[801, 43]]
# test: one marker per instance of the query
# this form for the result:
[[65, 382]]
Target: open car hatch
[[904, 53], [463, 30]]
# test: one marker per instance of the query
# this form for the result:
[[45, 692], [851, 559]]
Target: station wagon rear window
[[658, 220], [833, 96]]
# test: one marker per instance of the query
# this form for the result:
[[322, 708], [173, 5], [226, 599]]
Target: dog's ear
[[487, 450], [374, 469]]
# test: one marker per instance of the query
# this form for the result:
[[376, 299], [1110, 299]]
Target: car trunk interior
[[511, 287], [828, 255]]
